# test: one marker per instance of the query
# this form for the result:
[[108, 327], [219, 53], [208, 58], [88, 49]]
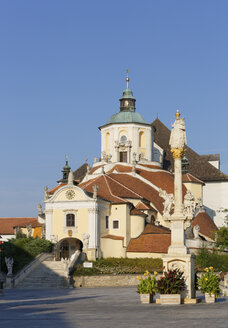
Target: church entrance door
[[66, 247], [64, 250]]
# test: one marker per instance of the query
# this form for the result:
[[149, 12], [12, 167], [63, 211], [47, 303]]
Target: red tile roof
[[52, 191], [7, 224], [113, 237], [154, 229], [154, 239], [188, 177], [135, 211], [142, 206], [206, 224]]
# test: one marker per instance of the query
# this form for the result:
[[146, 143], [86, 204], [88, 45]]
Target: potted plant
[[147, 287], [209, 285], [170, 286]]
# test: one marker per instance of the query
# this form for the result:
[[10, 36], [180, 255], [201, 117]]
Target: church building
[[116, 207]]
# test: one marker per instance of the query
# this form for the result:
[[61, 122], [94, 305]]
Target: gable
[[69, 193]]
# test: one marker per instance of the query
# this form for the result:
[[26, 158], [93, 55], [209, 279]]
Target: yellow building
[[116, 210]]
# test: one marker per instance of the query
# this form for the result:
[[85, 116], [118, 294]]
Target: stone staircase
[[48, 274]]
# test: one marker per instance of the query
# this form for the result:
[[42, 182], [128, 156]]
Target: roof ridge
[[125, 186], [111, 190]]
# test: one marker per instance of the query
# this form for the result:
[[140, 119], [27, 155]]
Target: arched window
[[141, 139], [107, 141], [123, 139], [70, 220]]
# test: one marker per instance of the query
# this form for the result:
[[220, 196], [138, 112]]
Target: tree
[[221, 236]]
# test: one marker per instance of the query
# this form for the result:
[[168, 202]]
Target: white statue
[[199, 205], [9, 263], [46, 193], [103, 156], [95, 190], [85, 237], [196, 231], [189, 204], [168, 203], [54, 239], [178, 135], [70, 180], [29, 229], [39, 207], [134, 158]]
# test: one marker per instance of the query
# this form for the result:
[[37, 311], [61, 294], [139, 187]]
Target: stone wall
[[107, 280]]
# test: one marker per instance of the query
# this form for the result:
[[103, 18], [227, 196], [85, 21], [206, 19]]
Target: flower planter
[[146, 298], [170, 299], [209, 299]]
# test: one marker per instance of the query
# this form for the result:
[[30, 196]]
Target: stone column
[[177, 219], [178, 255], [94, 233]]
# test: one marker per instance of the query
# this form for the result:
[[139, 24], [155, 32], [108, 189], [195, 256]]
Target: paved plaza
[[102, 307]]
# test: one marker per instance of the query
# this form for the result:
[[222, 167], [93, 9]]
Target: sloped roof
[[80, 173], [188, 177], [135, 211], [206, 224], [113, 237], [7, 224], [142, 206], [154, 239], [198, 165]]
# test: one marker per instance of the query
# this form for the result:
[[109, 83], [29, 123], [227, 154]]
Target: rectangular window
[[70, 220], [116, 224], [106, 222]]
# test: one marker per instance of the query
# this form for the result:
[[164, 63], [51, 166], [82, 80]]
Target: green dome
[[127, 117], [127, 94]]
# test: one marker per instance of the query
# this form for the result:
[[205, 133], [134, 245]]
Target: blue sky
[[62, 73]]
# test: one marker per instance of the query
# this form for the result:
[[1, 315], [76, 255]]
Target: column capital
[[177, 153]]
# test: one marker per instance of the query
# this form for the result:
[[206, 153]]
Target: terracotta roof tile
[[53, 190], [142, 206], [154, 229], [150, 243], [188, 177], [113, 237], [135, 211], [206, 224], [7, 224]]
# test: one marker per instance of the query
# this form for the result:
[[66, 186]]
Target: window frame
[[115, 222]]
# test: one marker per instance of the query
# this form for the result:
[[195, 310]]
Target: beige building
[[115, 208]]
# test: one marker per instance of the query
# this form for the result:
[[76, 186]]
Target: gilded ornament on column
[[177, 152]]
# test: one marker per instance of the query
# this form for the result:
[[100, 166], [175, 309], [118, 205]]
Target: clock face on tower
[[70, 194]]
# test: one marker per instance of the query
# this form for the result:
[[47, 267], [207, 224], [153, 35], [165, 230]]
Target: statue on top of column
[[178, 135]]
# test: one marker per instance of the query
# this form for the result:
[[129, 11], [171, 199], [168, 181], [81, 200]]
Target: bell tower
[[127, 137]]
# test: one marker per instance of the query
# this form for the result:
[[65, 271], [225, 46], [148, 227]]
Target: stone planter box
[[209, 299], [146, 298], [170, 299]]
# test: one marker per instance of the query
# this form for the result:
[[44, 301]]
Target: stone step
[[49, 274]]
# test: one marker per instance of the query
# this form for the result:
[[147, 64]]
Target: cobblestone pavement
[[102, 307]]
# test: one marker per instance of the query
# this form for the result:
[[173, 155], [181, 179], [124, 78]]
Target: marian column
[[177, 142], [178, 255]]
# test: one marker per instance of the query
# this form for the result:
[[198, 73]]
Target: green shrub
[[172, 282], [205, 259], [120, 266], [23, 251], [209, 282], [148, 284]]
